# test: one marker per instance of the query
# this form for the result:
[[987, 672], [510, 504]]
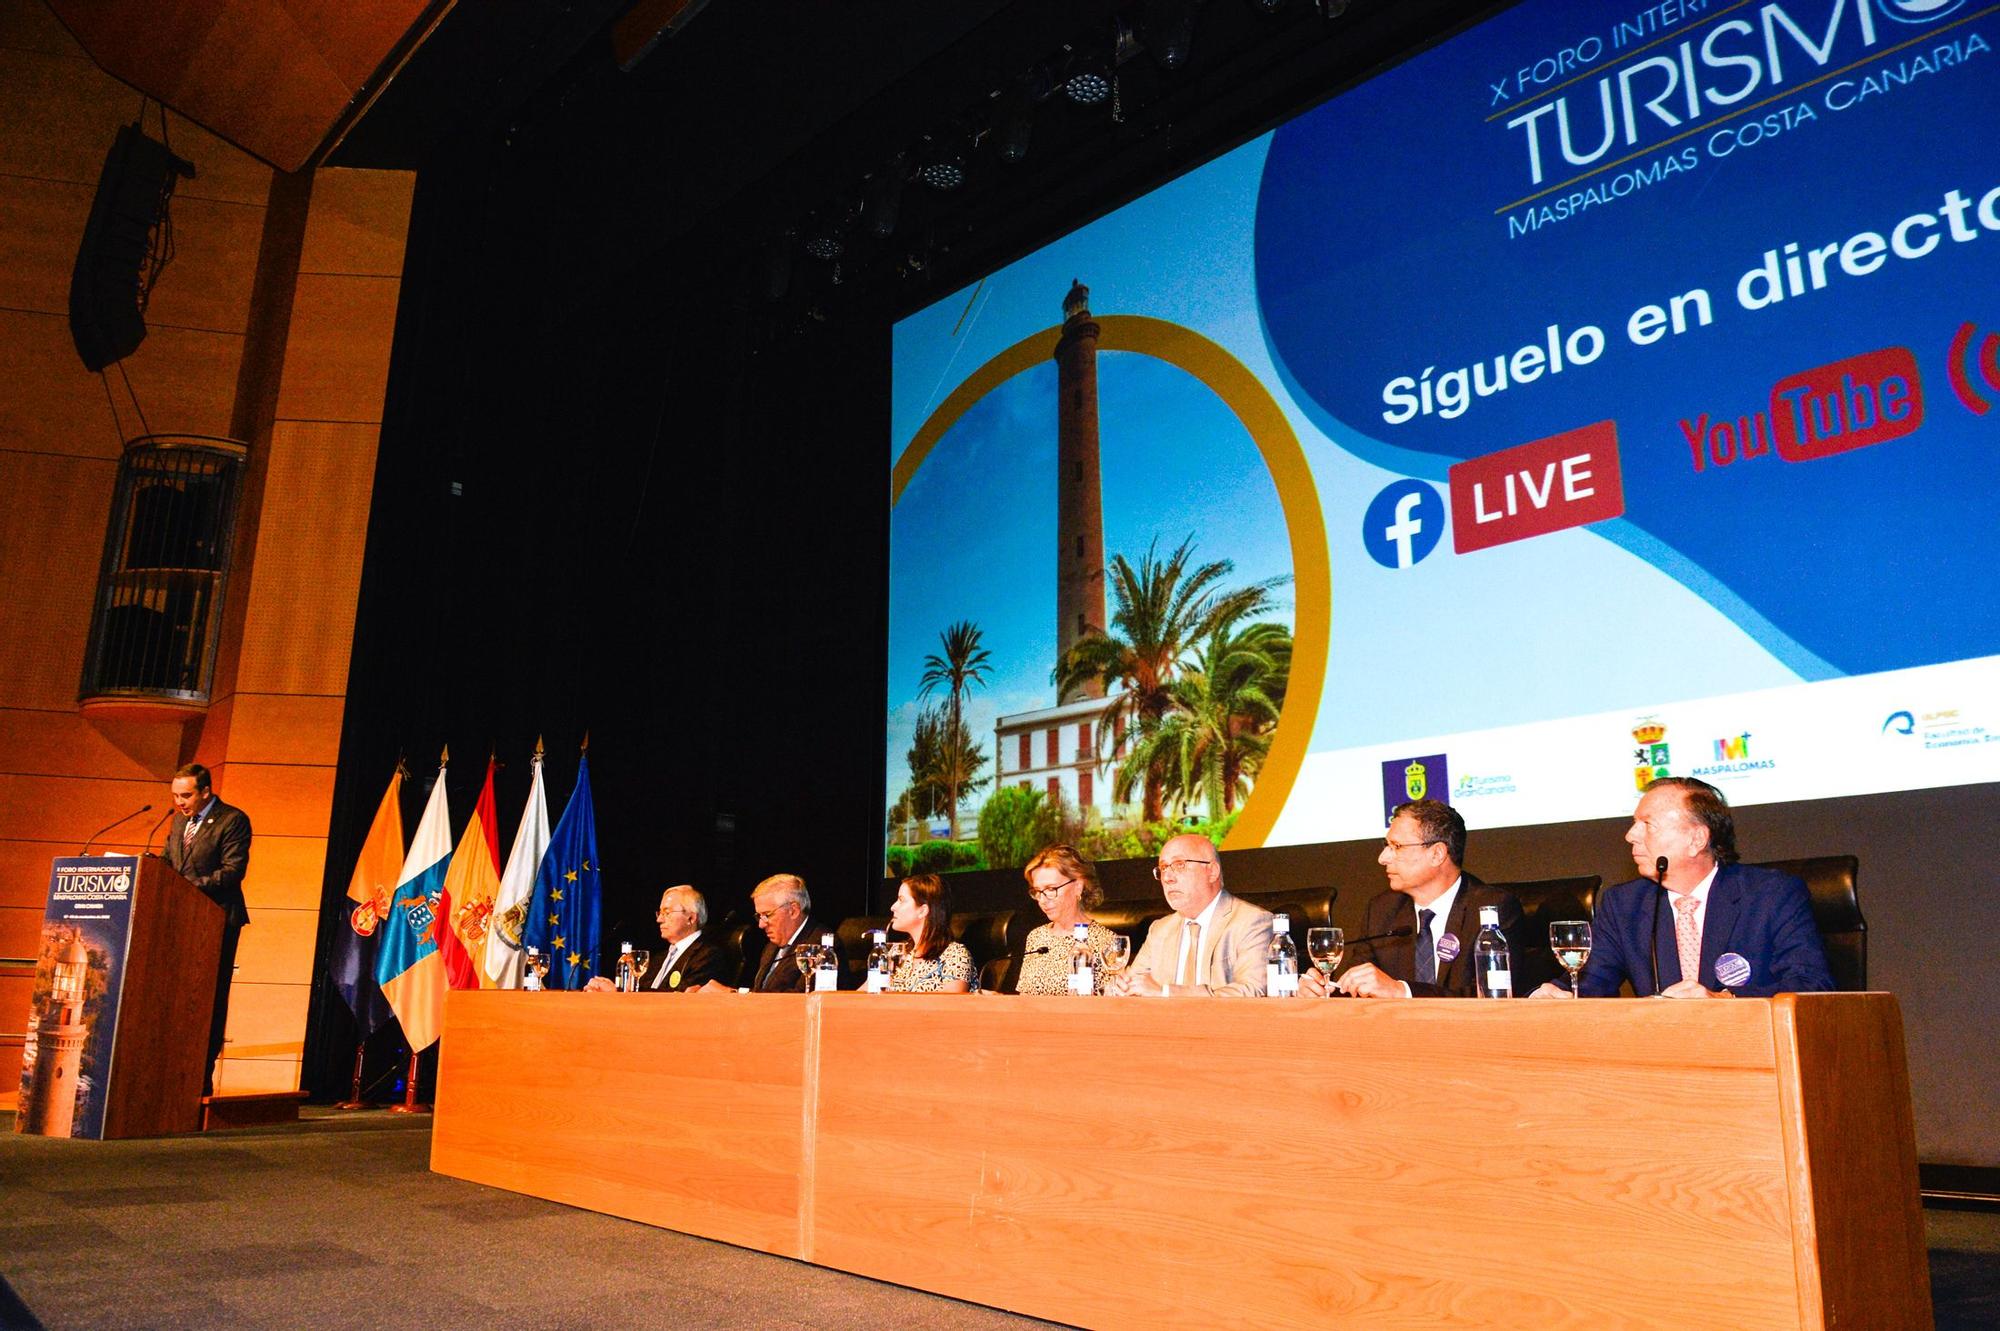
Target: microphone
[[1035, 951], [108, 826], [156, 831], [1402, 932], [1660, 870]]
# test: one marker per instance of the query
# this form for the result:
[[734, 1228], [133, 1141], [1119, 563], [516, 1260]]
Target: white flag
[[504, 958]]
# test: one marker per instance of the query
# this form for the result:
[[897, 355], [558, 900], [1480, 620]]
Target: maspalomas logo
[[1917, 11]]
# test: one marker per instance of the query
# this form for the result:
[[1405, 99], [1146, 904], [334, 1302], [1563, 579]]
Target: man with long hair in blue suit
[[1719, 929]]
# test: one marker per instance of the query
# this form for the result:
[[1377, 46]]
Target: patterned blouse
[[1045, 965], [921, 975]]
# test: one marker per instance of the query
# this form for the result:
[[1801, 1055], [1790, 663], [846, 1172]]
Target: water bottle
[[1490, 958], [1082, 965], [1281, 962], [826, 978], [628, 981], [878, 961], [531, 979]]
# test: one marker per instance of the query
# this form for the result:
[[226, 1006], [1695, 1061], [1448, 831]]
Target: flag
[[517, 884], [469, 888], [375, 872], [407, 964], [562, 915]]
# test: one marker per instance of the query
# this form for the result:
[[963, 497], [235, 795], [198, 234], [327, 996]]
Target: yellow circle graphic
[[1305, 527]]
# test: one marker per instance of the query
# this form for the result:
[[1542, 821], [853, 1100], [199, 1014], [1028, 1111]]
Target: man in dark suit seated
[[208, 843], [687, 961], [1721, 929], [1436, 903], [784, 912]]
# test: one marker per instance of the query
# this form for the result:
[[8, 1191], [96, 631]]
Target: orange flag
[[470, 886]]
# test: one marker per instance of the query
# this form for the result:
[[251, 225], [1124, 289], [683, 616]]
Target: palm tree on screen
[[962, 665], [1165, 607], [1231, 698]]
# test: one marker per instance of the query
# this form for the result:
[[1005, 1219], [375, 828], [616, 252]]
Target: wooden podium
[[125, 986]]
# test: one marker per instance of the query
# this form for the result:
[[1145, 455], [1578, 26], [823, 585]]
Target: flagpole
[[354, 1100], [410, 1105]]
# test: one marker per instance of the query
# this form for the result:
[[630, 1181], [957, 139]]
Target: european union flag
[[563, 913]]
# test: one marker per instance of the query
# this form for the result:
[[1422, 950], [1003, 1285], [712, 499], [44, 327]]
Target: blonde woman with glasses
[[1064, 885]]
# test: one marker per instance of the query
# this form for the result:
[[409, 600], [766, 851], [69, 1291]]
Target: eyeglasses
[[1395, 845], [764, 916], [676, 910], [1049, 893], [1176, 868]]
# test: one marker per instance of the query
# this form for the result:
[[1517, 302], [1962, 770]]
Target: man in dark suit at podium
[[208, 843]]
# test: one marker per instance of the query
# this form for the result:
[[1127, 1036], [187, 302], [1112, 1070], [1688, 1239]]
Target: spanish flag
[[407, 963], [469, 888]]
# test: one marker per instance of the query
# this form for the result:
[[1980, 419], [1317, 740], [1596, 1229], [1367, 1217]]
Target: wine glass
[[641, 958], [1571, 941], [1326, 946], [1117, 954], [538, 966], [806, 955]]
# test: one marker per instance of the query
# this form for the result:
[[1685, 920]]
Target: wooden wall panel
[[49, 403], [359, 223], [20, 926], [52, 809], [50, 554], [286, 872], [254, 1076], [300, 629], [337, 362], [62, 743], [26, 25], [272, 944], [207, 286], [285, 728], [285, 801], [41, 222]]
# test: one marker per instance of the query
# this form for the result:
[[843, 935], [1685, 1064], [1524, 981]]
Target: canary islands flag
[[562, 915], [407, 963]]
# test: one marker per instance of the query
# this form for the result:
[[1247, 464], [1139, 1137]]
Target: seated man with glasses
[[784, 912], [1212, 943], [688, 961], [1434, 904]]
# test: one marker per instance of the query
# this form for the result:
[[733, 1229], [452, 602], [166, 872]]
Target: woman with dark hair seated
[[935, 964], [1064, 885]]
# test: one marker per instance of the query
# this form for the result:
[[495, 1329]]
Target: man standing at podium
[[208, 842]]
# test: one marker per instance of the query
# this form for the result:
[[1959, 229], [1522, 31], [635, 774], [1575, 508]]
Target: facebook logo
[[1403, 524]]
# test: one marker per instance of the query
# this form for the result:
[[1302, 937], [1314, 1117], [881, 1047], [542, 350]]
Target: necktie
[[770, 970], [1427, 957], [187, 831], [1687, 936], [1191, 957]]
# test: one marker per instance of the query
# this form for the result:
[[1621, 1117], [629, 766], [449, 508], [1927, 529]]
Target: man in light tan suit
[[1211, 944]]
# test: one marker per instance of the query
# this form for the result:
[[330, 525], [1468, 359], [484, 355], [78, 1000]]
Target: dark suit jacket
[[218, 857], [1763, 916], [702, 962], [1397, 957], [777, 973]]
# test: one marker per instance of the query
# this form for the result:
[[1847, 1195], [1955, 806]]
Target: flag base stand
[[354, 1100], [410, 1105]]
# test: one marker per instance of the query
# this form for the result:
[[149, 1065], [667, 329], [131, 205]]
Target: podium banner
[[73, 1016]]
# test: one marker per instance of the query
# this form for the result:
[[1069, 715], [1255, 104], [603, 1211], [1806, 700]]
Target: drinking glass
[[539, 964], [641, 958], [1325, 946], [806, 956], [1117, 954], [1570, 939]]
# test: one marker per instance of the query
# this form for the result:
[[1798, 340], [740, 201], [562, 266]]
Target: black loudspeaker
[[116, 264]]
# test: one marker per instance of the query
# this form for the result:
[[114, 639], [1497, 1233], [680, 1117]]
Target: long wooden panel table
[[1149, 1162]]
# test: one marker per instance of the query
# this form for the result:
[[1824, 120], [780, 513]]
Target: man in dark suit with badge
[[1707, 927], [208, 843], [1434, 905]]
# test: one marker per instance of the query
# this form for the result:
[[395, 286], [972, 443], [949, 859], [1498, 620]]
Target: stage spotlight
[[1087, 87], [942, 173], [1167, 28], [824, 245]]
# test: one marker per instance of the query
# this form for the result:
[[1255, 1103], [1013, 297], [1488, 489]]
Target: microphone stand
[[108, 826], [1653, 935]]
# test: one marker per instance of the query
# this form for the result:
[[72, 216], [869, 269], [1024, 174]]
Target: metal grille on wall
[[166, 560]]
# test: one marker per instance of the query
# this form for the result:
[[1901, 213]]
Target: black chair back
[[1831, 880], [1546, 900]]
